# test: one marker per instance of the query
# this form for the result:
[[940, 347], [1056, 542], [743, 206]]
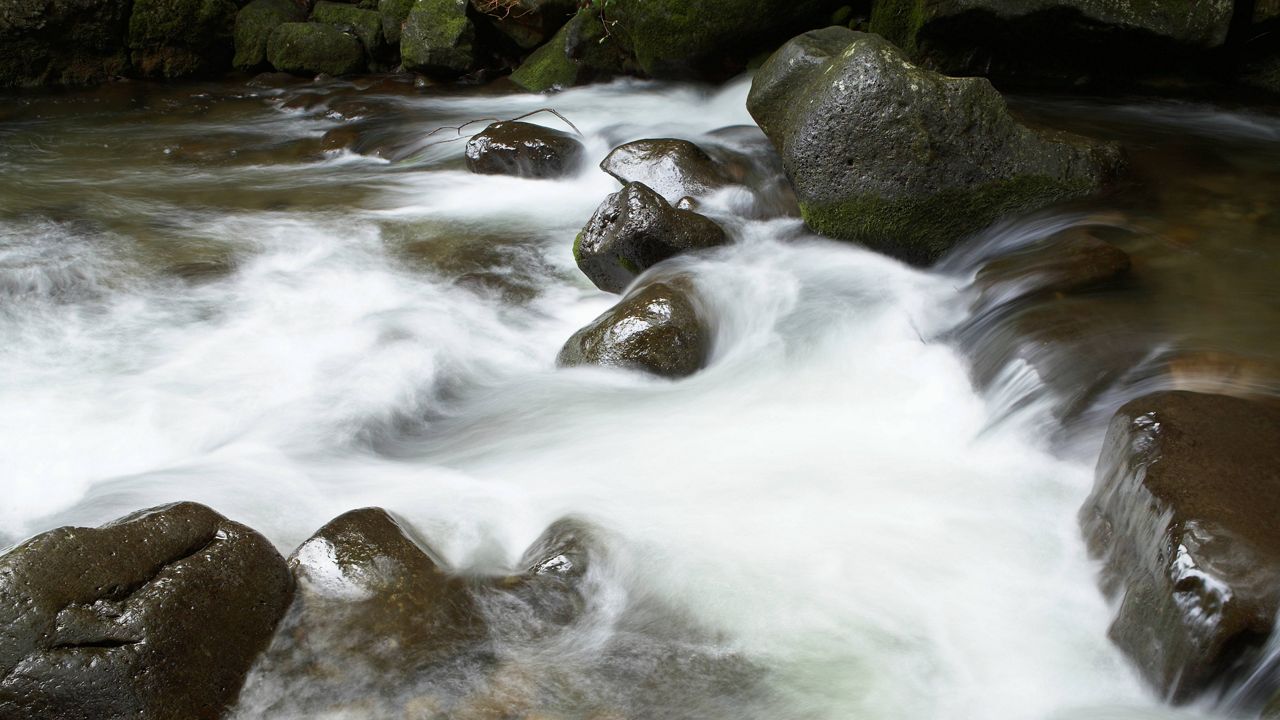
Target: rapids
[[197, 302]]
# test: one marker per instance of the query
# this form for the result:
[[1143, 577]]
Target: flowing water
[[202, 298]]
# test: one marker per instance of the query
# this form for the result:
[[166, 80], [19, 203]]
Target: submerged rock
[[524, 150], [311, 48], [635, 229], [1068, 262], [673, 168], [175, 38], [157, 616], [656, 329], [438, 37], [1183, 514], [254, 24], [904, 160]]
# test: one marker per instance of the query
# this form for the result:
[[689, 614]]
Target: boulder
[[656, 328], [364, 24], [904, 160], [1183, 515], [581, 52], [1070, 41], [254, 24], [312, 48], [393, 14], [548, 592], [158, 616], [527, 23], [1069, 262], [176, 38], [438, 38], [673, 168], [635, 229], [523, 150], [62, 42]]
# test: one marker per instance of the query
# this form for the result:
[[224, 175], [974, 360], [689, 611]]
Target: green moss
[[393, 13], [549, 67], [920, 230], [254, 24], [181, 37], [898, 21], [311, 48], [438, 37], [577, 248], [367, 24]]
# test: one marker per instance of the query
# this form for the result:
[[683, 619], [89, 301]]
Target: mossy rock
[[254, 24], [657, 328], [312, 48], [439, 38], [366, 24], [527, 23], [156, 616], [581, 52], [36, 46], [176, 38], [393, 14], [902, 159]]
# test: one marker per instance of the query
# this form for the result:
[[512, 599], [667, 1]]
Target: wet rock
[[438, 38], [175, 38], [157, 615], [364, 24], [527, 23], [1069, 262], [523, 150], [548, 592], [904, 160], [1183, 514], [254, 24], [673, 168], [656, 328], [62, 42], [581, 52], [635, 229], [311, 48]]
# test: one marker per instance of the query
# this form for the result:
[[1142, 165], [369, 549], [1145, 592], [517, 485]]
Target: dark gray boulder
[[523, 150], [254, 24], [673, 168], [306, 48], [635, 229], [656, 328], [157, 616], [1183, 515], [902, 159]]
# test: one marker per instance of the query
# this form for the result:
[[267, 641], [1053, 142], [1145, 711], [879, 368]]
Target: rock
[[709, 39], [581, 52], [158, 615], [394, 13], [365, 24], [656, 329], [253, 27], [1069, 262], [176, 38], [439, 38], [527, 23], [1183, 515], [312, 48], [904, 160], [62, 42], [673, 168], [1071, 41], [523, 150], [635, 229], [548, 593]]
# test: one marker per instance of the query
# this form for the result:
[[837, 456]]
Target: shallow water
[[199, 302]]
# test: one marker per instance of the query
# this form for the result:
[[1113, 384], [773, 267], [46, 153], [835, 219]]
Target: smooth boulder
[[635, 229], [253, 27], [312, 48], [523, 150], [438, 38], [904, 160], [657, 328], [673, 168], [1183, 515], [157, 616]]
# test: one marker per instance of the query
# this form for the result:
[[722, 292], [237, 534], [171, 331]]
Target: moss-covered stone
[[175, 38], [312, 48], [393, 13], [656, 328], [254, 24], [581, 52], [35, 45], [527, 23], [366, 24], [904, 160], [438, 37]]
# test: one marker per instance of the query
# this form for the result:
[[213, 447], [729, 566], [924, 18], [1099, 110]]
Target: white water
[[830, 497]]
